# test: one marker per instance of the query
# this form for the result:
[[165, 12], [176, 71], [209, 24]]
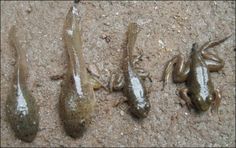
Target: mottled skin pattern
[[130, 81], [21, 108], [77, 96], [200, 91]]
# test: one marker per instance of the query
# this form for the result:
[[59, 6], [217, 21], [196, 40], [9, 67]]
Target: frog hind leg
[[137, 58], [116, 82], [213, 61], [94, 77], [95, 82], [142, 73], [211, 44], [180, 70]]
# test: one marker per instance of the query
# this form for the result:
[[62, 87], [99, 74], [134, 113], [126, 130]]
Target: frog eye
[[199, 99], [209, 98]]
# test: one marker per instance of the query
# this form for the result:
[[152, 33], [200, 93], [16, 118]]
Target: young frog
[[77, 98], [130, 81], [21, 108], [200, 92]]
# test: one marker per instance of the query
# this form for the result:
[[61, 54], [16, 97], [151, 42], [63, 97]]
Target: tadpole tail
[[131, 39], [72, 36], [12, 37], [20, 52]]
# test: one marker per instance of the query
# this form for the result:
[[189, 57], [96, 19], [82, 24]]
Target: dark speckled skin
[[77, 99], [133, 87], [21, 108]]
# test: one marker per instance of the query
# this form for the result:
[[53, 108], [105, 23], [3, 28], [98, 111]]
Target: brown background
[[168, 28]]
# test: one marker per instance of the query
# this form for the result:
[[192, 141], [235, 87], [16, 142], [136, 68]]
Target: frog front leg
[[216, 100], [179, 67], [184, 96]]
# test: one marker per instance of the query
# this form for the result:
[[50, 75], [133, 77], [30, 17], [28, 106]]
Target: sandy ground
[[168, 28]]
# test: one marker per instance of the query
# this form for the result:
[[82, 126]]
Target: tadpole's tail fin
[[21, 58], [131, 39]]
